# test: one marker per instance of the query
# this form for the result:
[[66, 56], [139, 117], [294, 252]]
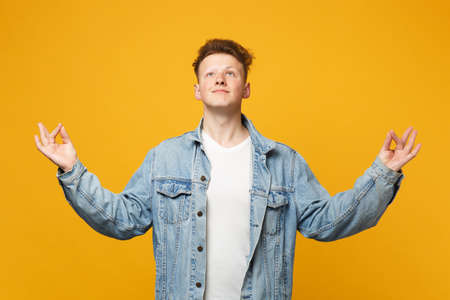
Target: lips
[[220, 91]]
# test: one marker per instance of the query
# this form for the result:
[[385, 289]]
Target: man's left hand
[[395, 159]]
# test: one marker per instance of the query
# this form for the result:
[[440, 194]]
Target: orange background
[[330, 79]]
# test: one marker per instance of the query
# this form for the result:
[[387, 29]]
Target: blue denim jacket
[[168, 192]]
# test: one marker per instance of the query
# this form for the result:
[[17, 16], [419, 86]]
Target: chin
[[212, 105], [221, 105]]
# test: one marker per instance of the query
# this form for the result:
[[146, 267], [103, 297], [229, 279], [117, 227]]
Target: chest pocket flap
[[174, 200], [277, 199], [276, 203], [173, 189]]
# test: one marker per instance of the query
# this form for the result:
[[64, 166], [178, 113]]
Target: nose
[[220, 79]]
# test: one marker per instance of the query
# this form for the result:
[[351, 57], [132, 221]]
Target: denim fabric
[[168, 192]]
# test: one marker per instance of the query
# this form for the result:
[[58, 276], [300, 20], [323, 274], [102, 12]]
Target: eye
[[232, 73], [208, 74]]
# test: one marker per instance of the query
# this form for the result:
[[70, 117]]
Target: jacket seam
[[150, 181], [293, 183]]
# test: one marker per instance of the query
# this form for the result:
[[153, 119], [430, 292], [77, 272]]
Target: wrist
[[68, 167]]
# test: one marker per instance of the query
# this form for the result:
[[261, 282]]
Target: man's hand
[[63, 155], [395, 159]]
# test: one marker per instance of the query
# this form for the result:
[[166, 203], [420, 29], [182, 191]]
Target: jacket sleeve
[[121, 216], [326, 218]]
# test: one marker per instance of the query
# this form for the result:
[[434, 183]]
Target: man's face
[[221, 82]]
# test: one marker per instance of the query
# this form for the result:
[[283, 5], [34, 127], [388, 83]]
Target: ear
[[246, 93], [197, 92]]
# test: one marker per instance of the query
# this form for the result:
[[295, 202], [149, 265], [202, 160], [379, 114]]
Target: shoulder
[[177, 144], [286, 154], [282, 149]]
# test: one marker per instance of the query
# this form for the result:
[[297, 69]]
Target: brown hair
[[213, 46]]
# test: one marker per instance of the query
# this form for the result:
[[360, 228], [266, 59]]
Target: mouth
[[220, 91]]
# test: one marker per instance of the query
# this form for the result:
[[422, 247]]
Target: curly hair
[[213, 46]]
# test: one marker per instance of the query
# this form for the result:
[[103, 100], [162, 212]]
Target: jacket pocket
[[276, 204], [174, 200]]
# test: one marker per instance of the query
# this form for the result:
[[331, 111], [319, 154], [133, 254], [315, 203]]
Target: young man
[[225, 202]]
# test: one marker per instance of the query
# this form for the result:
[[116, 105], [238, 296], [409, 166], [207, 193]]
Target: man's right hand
[[63, 155]]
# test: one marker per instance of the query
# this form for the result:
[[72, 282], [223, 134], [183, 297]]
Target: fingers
[[407, 148], [37, 142], [413, 154], [411, 141], [406, 135], [65, 137], [400, 142], [43, 131], [55, 132], [397, 139], [47, 137], [416, 150], [46, 131], [387, 141]]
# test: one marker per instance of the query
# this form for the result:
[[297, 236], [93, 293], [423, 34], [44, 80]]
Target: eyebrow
[[227, 67]]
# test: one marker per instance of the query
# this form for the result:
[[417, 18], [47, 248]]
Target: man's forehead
[[220, 60], [224, 67]]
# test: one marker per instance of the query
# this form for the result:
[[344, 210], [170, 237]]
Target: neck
[[225, 128]]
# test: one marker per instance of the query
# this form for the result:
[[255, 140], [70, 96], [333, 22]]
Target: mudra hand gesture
[[63, 155], [395, 159]]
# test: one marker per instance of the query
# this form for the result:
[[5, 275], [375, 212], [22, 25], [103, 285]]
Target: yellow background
[[330, 79]]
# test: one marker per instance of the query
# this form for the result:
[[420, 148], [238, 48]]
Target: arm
[[326, 218], [121, 216]]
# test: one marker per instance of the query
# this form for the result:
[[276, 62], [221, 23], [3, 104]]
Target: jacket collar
[[261, 143]]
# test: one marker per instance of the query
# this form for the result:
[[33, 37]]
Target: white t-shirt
[[227, 218]]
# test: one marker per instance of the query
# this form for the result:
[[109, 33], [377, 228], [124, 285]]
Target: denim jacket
[[168, 192]]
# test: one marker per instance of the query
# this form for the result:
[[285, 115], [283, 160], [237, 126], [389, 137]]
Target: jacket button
[[199, 213], [198, 284], [200, 248], [203, 178]]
